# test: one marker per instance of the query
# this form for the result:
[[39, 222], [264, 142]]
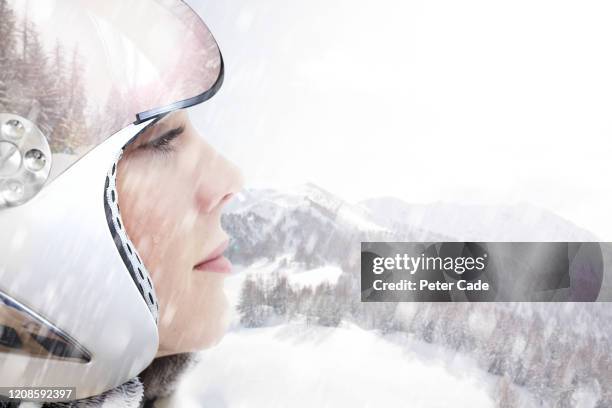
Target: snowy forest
[[46, 80], [525, 345], [552, 352], [46, 86]]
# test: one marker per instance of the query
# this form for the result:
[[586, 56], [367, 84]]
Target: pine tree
[[507, 396], [326, 307], [59, 95], [280, 294], [7, 52], [35, 78], [4, 88], [7, 32], [3, 93], [71, 131], [116, 112], [252, 305], [54, 98], [304, 299], [45, 88]]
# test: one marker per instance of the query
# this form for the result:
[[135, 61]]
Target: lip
[[215, 261]]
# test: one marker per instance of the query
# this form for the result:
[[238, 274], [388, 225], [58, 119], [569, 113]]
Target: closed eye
[[163, 143]]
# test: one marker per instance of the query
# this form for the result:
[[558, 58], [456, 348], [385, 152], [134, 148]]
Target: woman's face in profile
[[172, 187]]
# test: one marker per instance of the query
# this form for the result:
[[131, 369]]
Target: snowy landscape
[[301, 337]]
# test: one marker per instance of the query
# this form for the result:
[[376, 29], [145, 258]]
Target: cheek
[[160, 216], [197, 317], [157, 216]]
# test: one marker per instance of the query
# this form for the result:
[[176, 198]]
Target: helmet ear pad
[[65, 267], [127, 250]]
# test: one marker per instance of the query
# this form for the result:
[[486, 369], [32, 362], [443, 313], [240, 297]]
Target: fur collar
[[158, 380]]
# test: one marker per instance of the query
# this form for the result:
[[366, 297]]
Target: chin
[[213, 330]]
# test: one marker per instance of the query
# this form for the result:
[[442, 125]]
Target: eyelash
[[163, 144]]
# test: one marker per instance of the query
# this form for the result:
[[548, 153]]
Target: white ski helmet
[[79, 79]]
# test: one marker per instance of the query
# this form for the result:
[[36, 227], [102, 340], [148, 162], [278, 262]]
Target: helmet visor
[[83, 69], [24, 332]]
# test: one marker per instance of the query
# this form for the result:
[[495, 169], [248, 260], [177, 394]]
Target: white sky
[[429, 100]]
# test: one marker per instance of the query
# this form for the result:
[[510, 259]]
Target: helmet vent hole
[[128, 252]]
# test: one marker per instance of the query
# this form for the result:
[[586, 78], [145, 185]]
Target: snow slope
[[295, 365], [314, 277]]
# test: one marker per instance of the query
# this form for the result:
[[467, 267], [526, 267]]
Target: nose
[[218, 184]]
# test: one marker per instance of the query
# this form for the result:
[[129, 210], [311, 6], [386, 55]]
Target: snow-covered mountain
[[556, 352], [312, 227], [305, 224], [518, 222]]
